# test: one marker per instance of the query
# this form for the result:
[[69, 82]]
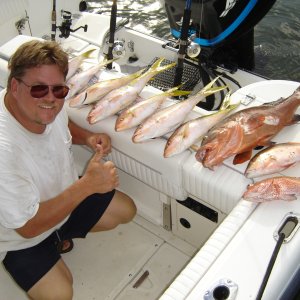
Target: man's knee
[[127, 211], [56, 292], [57, 284], [120, 211], [131, 212]]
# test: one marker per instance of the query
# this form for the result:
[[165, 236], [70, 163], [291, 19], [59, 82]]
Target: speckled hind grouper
[[246, 129]]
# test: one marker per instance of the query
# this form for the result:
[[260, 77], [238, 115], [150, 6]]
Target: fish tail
[[180, 93], [226, 101], [209, 89], [138, 73], [175, 92], [157, 68], [230, 108], [156, 64], [105, 62], [88, 53]]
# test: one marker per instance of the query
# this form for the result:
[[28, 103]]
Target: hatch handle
[[141, 279], [285, 232], [289, 225]]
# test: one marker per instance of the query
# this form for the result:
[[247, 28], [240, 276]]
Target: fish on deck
[[277, 188], [239, 133], [76, 61], [190, 132], [80, 80], [122, 97], [169, 118], [99, 89], [138, 112], [273, 159]]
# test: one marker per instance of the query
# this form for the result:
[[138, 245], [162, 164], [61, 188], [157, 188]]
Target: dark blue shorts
[[28, 266]]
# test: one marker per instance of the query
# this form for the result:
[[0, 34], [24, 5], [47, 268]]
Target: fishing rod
[[112, 29], [183, 42], [53, 19]]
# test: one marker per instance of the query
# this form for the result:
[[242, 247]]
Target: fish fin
[[106, 61], [257, 120], [180, 93], [88, 53], [194, 147], [242, 157], [157, 63], [156, 66], [175, 91], [296, 119], [265, 141], [226, 101], [289, 197], [209, 89]]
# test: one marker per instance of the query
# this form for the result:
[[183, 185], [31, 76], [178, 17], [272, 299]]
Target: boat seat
[[10, 47]]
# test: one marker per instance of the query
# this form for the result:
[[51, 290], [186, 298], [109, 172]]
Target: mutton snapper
[[273, 159], [80, 80], [99, 89], [276, 188], [138, 112], [246, 129], [76, 61], [192, 131], [169, 118], [122, 97]]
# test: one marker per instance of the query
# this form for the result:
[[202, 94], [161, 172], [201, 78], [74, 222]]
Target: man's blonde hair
[[36, 53]]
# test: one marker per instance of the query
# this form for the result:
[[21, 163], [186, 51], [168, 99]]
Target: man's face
[[32, 112]]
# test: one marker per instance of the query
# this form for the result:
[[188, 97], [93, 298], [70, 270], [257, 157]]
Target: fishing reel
[[66, 24], [119, 49], [192, 50]]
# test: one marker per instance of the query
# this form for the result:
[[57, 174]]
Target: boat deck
[[127, 252]]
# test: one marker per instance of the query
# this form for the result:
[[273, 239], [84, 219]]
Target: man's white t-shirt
[[33, 168]]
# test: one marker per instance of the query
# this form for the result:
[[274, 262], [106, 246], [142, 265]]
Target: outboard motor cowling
[[223, 27]]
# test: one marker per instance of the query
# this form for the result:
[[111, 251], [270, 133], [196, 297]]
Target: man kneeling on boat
[[44, 205]]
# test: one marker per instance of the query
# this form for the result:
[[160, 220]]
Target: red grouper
[[246, 129]]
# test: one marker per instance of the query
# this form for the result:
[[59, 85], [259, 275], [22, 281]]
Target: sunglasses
[[41, 90]]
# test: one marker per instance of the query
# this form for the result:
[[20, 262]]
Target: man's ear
[[14, 85]]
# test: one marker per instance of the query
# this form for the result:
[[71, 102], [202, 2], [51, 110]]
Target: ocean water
[[277, 36]]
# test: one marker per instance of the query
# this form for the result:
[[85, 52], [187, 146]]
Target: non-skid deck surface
[[106, 265]]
